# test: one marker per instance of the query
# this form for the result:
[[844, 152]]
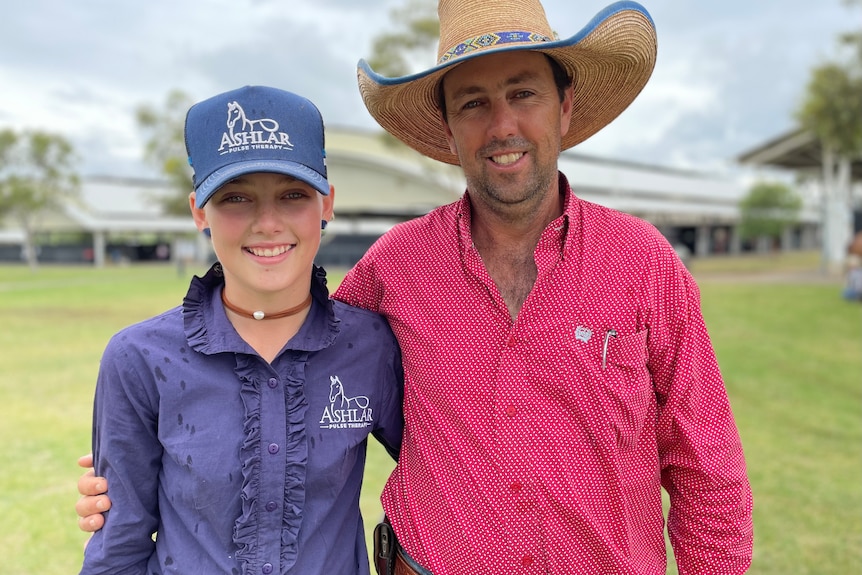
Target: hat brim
[[611, 60], [217, 179]]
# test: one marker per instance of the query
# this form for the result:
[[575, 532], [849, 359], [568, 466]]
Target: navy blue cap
[[254, 129]]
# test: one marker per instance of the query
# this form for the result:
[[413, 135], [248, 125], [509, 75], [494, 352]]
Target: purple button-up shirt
[[241, 466]]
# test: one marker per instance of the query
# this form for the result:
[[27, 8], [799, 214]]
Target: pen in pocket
[[608, 335]]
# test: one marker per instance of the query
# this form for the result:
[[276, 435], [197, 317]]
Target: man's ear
[[449, 137], [566, 107]]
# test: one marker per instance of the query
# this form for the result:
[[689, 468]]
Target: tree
[[832, 111], [164, 126], [409, 49], [417, 31], [166, 149], [415, 37], [853, 39], [392, 55], [832, 108], [767, 210], [36, 176]]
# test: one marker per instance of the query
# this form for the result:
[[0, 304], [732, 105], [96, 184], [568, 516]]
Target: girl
[[234, 426]]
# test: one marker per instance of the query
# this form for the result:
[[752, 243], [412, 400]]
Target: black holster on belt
[[385, 547]]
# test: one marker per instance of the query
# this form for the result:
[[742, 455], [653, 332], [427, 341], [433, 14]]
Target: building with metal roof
[[838, 203], [379, 183]]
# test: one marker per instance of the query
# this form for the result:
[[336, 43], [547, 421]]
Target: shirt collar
[[557, 237], [209, 331]]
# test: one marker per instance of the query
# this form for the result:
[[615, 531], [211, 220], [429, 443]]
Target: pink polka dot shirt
[[542, 445]]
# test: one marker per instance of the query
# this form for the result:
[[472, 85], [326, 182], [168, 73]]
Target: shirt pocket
[[204, 474], [626, 386]]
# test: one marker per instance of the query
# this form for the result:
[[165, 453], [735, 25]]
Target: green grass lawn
[[791, 354]]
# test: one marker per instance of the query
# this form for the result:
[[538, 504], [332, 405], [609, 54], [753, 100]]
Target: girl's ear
[[329, 203], [198, 214]]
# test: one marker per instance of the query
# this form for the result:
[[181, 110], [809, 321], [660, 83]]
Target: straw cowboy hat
[[610, 59]]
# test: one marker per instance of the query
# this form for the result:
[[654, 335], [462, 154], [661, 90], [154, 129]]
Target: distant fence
[[83, 253], [335, 251]]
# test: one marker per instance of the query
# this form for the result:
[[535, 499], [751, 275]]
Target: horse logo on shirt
[[583, 334], [344, 411]]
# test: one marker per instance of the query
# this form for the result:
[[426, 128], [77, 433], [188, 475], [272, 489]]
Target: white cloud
[[729, 74]]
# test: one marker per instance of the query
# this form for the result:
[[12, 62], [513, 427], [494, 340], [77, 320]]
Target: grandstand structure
[[379, 183]]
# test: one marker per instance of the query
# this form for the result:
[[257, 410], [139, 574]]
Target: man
[[558, 372]]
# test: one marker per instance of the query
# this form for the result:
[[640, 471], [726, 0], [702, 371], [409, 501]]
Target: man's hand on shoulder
[[93, 502]]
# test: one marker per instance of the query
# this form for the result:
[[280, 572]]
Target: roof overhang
[[798, 150]]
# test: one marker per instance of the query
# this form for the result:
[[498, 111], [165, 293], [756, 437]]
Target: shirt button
[[271, 506], [273, 448], [511, 411], [266, 569], [516, 486], [511, 341], [272, 383], [527, 560]]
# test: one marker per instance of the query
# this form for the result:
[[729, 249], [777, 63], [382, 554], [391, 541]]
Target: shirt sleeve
[[127, 452], [702, 463], [360, 287], [391, 425]]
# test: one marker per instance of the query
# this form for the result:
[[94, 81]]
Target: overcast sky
[[729, 76]]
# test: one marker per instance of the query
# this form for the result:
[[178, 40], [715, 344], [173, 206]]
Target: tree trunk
[[837, 223], [30, 254]]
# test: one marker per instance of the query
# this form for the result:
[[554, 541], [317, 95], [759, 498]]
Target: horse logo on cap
[[243, 133]]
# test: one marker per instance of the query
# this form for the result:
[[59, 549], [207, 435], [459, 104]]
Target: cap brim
[[220, 177]]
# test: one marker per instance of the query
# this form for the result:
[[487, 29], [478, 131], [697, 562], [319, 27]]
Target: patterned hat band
[[492, 39]]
